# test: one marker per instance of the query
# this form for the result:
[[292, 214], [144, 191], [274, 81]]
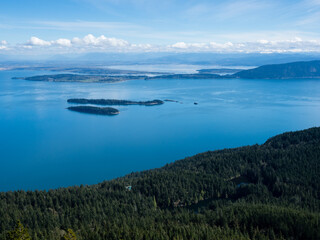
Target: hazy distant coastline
[[291, 70]]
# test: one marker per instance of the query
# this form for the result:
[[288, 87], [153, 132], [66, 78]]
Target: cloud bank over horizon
[[91, 43]]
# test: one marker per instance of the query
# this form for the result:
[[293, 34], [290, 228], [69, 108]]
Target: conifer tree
[[69, 235]]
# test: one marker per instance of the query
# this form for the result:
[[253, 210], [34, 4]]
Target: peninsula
[[82, 78], [95, 110], [114, 102]]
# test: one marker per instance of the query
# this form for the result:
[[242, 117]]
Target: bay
[[44, 146]]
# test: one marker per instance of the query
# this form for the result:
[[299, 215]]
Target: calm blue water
[[44, 146]]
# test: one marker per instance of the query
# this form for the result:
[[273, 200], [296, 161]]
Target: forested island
[[267, 191], [114, 102], [95, 110]]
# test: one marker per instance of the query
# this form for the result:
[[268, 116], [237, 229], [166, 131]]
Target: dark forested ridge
[[268, 191], [309, 69]]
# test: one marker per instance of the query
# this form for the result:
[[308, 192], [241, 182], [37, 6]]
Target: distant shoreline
[[293, 70]]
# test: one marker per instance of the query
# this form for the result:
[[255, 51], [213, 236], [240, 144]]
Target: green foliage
[[19, 233], [69, 235], [268, 191]]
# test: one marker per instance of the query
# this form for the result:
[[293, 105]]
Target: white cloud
[[102, 41], [86, 44], [34, 41], [91, 43], [63, 42], [211, 46], [76, 40], [3, 44], [263, 41], [27, 47], [221, 46], [181, 45], [262, 46]]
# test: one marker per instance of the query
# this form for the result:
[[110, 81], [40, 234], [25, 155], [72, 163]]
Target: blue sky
[[166, 25]]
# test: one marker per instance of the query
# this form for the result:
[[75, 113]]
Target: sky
[[77, 26]]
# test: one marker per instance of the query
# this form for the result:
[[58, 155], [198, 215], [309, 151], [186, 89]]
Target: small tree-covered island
[[106, 110], [114, 102], [268, 191], [95, 110]]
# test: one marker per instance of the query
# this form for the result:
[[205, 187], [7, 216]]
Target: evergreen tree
[[69, 235], [19, 233]]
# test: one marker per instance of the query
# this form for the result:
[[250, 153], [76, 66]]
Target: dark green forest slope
[[268, 191], [291, 70]]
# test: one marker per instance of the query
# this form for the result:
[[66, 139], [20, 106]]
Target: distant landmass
[[188, 76], [219, 71], [114, 102], [94, 70], [82, 78], [292, 70], [309, 69], [95, 110]]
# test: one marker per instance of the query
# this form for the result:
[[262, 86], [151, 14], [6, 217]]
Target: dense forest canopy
[[268, 191]]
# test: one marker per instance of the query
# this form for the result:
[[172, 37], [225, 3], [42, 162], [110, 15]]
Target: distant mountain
[[309, 69]]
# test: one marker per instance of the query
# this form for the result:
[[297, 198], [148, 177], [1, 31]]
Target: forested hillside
[[291, 70], [268, 191]]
